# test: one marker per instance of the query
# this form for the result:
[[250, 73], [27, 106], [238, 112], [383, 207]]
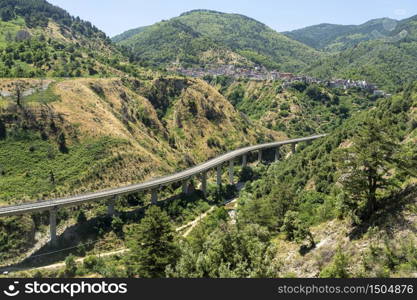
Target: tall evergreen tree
[[2, 130], [6, 14], [62, 143], [152, 245], [367, 167]]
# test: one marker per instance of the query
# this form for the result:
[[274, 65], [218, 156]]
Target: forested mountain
[[301, 110], [244, 36], [381, 51], [333, 37], [39, 39], [38, 13], [173, 41], [79, 113], [327, 182], [114, 124], [127, 34], [390, 60]]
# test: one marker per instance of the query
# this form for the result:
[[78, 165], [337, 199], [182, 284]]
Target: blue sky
[[116, 16]]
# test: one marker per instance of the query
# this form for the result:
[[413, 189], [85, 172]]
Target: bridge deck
[[147, 185]]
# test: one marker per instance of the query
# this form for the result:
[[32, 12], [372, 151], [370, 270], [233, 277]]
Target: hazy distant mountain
[[128, 34], [390, 59], [332, 37]]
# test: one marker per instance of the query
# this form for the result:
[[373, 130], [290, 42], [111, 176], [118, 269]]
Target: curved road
[[147, 185]]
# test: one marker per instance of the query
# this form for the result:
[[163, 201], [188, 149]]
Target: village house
[[260, 73]]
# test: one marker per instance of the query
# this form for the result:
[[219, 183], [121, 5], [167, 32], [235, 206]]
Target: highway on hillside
[[147, 185]]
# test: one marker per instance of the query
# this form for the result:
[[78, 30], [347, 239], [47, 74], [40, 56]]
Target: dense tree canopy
[[38, 12], [152, 245]]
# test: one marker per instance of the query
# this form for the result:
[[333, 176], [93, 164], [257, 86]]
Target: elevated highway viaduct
[[155, 184]]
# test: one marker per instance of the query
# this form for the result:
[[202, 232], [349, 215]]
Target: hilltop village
[[260, 73]]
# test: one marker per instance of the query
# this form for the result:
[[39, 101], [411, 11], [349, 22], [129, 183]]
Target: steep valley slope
[[69, 136]]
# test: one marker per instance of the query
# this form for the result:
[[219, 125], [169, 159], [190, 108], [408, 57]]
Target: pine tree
[[338, 268], [62, 143], [6, 14], [297, 230], [367, 167], [70, 266], [18, 91], [152, 245], [51, 177], [2, 130]]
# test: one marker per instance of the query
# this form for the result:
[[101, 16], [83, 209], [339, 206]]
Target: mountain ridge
[[337, 37], [243, 35]]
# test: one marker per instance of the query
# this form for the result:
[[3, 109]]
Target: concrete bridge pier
[[110, 206], [204, 183], [52, 226], [154, 196], [244, 160], [185, 187], [277, 154], [219, 175], [231, 174], [260, 156], [293, 148]]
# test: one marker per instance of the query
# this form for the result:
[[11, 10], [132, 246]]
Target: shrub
[[70, 266], [2, 130], [213, 142], [284, 113], [296, 229], [62, 143], [91, 263], [338, 267], [246, 174], [117, 225], [81, 218]]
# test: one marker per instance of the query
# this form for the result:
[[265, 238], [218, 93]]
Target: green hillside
[[75, 115], [300, 110], [241, 34], [332, 37], [38, 39], [382, 51], [127, 34], [79, 114], [318, 188], [389, 65], [297, 217], [170, 41]]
